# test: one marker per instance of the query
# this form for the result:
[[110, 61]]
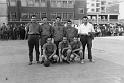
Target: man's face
[[69, 23], [33, 19], [45, 19], [75, 39], [58, 19], [49, 40], [64, 39], [85, 20]]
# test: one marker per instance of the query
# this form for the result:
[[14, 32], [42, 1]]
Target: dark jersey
[[75, 45], [63, 45], [49, 48]]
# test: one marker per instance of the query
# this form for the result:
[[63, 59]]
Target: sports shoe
[[82, 61], [38, 62], [91, 60], [30, 63]]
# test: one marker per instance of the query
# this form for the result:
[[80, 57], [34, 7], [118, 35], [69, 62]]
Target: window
[[103, 8], [43, 3], [24, 15], [97, 0], [53, 15], [30, 3], [13, 15], [97, 9], [93, 5], [103, 2], [62, 3], [37, 3], [65, 5], [23, 3], [33, 3], [53, 3], [81, 10], [43, 14], [65, 15], [59, 14], [70, 15], [12, 2], [93, 10], [97, 4]]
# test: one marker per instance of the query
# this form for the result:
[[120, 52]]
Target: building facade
[[103, 11], [22, 10], [3, 12]]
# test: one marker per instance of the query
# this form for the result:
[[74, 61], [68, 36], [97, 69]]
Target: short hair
[[58, 17], [69, 21], [33, 16], [44, 17], [85, 17]]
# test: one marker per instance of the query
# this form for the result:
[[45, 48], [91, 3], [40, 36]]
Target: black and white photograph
[[61, 41]]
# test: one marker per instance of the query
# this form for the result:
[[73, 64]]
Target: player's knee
[[72, 56], [68, 51], [55, 57]]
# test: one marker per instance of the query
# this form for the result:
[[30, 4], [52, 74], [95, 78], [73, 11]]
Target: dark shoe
[[38, 62], [30, 63], [91, 60], [41, 62], [67, 61]]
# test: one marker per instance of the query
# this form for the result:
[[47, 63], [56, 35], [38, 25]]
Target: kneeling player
[[49, 52], [76, 47], [64, 50]]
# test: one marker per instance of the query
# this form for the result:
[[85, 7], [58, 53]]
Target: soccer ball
[[46, 63], [77, 59]]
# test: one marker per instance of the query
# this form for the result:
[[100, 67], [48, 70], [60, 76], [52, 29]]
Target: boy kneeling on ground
[[64, 50], [49, 52], [76, 48]]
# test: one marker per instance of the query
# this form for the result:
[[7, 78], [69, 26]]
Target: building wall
[[67, 9], [3, 12], [80, 9]]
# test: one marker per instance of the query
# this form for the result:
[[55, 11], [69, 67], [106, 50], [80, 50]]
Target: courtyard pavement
[[108, 67]]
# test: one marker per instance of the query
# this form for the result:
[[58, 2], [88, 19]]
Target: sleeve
[[92, 28], [64, 32], [44, 47], [51, 31], [76, 32], [27, 28], [79, 31], [55, 47], [60, 45]]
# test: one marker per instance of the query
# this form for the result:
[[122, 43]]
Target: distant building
[[22, 10], [103, 11], [3, 12]]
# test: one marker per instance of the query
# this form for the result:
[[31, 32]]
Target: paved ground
[[108, 68]]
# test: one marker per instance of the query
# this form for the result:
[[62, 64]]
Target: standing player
[[33, 31], [70, 32], [64, 50], [46, 31], [58, 32], [86, 32]]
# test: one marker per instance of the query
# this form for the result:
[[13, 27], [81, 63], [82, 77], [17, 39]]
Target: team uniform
[[76, 48], [46, 31], [70, 33], [64, 50], [58, 33], [49, 49], [33, 31]]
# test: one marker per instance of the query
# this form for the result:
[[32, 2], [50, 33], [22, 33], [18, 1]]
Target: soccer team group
[[59, 43]]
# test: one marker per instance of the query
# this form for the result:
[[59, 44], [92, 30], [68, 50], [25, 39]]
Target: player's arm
[[44, 54]]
